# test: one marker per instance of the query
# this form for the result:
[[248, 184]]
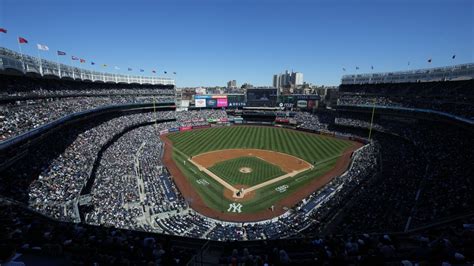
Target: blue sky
[[208, 42]]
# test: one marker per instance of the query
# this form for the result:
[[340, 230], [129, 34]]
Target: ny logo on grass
[[235, 207]]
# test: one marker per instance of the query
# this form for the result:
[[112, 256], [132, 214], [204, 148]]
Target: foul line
[[274, 180], [218, 179]]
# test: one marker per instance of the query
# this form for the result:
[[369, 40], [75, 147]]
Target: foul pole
[[372, 120]]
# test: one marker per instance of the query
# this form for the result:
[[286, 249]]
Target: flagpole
[[21, 54]]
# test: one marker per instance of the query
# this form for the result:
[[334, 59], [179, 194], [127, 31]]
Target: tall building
[[276, 81], [232, 84], [288, 79], [297, 78]]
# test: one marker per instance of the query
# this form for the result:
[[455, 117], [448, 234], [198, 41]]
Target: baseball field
[[247, 173]]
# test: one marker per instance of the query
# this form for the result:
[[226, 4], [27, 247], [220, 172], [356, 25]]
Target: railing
[[29, 64]]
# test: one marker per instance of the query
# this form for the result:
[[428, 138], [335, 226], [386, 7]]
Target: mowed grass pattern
[[261, 171], [310, 147], [322, 150]]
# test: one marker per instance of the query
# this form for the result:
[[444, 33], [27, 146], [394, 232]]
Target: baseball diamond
[[298, 161]]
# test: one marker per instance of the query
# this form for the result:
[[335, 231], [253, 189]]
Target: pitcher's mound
[[245, 170]]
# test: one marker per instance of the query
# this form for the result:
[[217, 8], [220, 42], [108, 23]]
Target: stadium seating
[[452, 97], [407, 195]]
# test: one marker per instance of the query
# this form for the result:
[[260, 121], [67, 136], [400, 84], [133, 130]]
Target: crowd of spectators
[[432, 184], [28, 237], [450, 244], [452, 97], [27, 103], [18, 87], [64, 177], [132, 188], [199, 117], [413, 173], [309, 121], [131, 180], [131, 185], [22, 116]]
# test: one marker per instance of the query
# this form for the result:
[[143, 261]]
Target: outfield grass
[[310, 147], [316, 149], [261, 171]]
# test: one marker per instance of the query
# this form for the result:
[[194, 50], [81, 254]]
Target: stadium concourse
[[407, 197]]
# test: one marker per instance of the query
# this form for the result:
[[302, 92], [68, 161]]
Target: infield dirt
[[286, 162]]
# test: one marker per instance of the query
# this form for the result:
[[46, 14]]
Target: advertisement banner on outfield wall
[[282, 120], [185, 128], [201, 126], [165, 131], [173, 129], [327, 133], [211, 103], [222, 102], [200, 102]]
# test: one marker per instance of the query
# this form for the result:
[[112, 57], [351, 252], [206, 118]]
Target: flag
[[343, 69], [154, 71], [371, 67], [174, 73], [454, 56], [429, 60], [61, 53], [141, 70], [22, 40], [104, 65], [92, 63], [130, 69], [74, 58], [165, 72], [357, 68], [3, 30], [42, 47], [82, 60]]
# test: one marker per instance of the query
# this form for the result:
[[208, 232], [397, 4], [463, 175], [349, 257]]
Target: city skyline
[[185, 37]]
